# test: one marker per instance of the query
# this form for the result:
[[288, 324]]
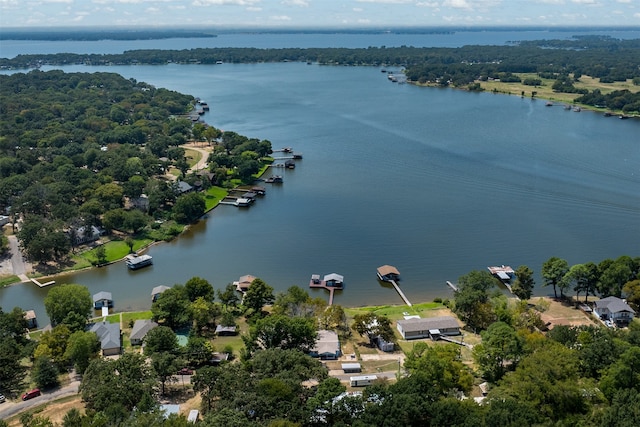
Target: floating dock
[[331, 282]]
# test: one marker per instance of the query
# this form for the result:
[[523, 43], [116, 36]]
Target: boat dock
[[390, 274], [331, 282], [42, 285], [452, 286]]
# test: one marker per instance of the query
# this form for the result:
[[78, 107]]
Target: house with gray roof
[[430, 327], [140, 329], [614, 309], [327, 346], [109, 337]]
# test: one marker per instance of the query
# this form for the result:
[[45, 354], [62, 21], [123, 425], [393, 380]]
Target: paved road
[[10, 408], [17, 261]]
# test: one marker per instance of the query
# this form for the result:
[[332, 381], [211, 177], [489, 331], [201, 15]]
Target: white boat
[[135, 262]]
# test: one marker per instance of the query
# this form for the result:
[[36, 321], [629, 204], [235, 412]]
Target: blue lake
[[437, 182]]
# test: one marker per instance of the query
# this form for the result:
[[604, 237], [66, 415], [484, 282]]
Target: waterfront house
[[102, 299], [84, 235], [30, 317], [614, 309], [155, 292], [183, 187], [387, 273], [431, 327], [140, 330], [109, 337], [327, 346]]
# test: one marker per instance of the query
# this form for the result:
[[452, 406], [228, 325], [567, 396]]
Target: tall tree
[[229, 297], [82, 347], [197, 287], [501, 349], [472, 299], [172, 307], [278, 331], [63, 301], [164, 365], [553, 271], [523, 285], [45, 373], [160, 340], [257, 296]]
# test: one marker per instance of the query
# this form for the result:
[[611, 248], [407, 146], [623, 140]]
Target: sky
[[317, 13]]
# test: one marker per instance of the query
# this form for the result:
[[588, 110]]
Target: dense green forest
[[79, 150], [602, 57], [584, 375]]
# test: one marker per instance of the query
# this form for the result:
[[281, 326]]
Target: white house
[[615, 309]]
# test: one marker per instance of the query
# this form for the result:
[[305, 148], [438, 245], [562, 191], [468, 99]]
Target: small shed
[[193, 416], [351, 368], [155, 292], [30, 317], [102, 299], [226, 330]]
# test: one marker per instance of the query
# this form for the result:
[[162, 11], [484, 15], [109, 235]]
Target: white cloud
[[584, 1], [457, 4], [386, 1], [280, 18], [225, 2], [358, 9], [254, 9], [302, 3], [624, 1], [433, 4]]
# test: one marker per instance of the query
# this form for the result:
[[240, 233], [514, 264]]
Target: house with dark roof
[[183, 187], [140, 330], [430, 327], [327, 346], [109, 337], [226, 330], [614, 309]]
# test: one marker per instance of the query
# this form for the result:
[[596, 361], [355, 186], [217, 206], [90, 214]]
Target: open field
[[545, 91]]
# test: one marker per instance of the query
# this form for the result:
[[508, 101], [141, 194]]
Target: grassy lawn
[[396, 312], [544, 91], [192, 156], [212, 197], [114, 250], [8, 280]]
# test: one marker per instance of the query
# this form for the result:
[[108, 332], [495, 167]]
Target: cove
[[437, 182]]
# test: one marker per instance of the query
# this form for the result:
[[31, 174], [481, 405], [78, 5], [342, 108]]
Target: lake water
[[454, 38], [437, 182]]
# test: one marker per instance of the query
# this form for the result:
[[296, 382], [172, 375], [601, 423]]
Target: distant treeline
[[93, 35], [602, 57]]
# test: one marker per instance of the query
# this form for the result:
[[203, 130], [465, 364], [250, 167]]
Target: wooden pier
[[452, 286], [42, 285], [402, 295]]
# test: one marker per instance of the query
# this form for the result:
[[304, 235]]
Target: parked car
[[2, 398], [31, 394], [185, 371]]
